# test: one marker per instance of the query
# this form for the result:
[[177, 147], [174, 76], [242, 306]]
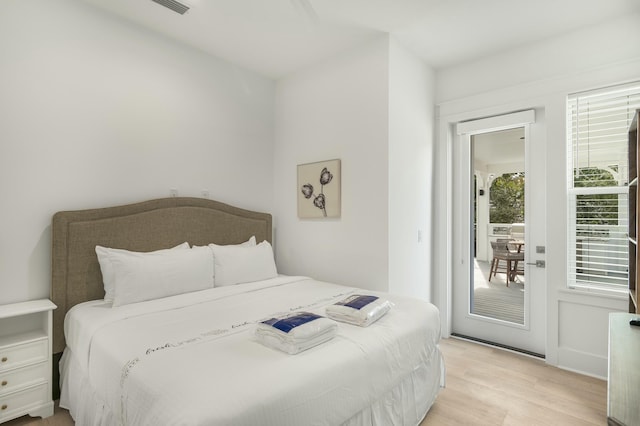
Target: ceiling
[[278, 37], [495, 149]]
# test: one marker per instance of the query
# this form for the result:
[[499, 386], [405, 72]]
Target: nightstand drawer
[[20, 378], [23, 354], [22, 401]]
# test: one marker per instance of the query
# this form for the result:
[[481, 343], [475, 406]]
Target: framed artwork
[[319, 189]]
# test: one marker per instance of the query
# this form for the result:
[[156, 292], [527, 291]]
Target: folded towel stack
[[359, 309], [296, 332]]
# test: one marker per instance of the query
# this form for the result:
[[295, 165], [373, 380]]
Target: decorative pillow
[[243, 264], [156, 275], [107, 269]]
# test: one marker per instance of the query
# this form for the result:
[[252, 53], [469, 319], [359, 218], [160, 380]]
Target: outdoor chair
[[501, 252]]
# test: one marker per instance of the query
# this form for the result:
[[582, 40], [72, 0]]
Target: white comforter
[[192, 359]]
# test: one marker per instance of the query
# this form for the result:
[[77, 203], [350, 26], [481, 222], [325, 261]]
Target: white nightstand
[[25, 359]]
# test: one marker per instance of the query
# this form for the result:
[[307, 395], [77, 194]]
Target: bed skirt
[[405, 404]]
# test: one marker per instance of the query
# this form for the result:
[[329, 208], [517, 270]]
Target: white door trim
[[497, 122], [449, 128]]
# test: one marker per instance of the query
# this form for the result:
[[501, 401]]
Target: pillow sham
[[249, 243], [243, 264], [156, 275], [106, 266]]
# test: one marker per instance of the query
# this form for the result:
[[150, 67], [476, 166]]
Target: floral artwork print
[[319, 189], [319, 200]]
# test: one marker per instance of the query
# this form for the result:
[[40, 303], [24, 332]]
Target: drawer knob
[[4, 383], [4, 407], [5, 359]]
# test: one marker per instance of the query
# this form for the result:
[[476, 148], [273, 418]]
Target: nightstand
[[25, 359]]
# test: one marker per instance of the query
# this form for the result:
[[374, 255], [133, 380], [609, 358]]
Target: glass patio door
[[499, 233]]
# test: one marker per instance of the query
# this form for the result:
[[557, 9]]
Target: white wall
[[601, 45], [540, 76], [337, 109], [95, 111], [411, 134], [371, 107]]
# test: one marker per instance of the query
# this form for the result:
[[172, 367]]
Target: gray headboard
[[145, 226]]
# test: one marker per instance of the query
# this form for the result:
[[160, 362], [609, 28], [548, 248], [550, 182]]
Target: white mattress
[[192, 359]]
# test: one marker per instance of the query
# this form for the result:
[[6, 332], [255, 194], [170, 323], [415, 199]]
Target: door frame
[[450, 132]]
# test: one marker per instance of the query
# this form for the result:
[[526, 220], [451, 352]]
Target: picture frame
[[319, 189]]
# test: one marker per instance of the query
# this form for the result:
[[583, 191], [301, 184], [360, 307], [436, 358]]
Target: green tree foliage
[[506, 202], [507, 198], [592, 176], [595, 209]]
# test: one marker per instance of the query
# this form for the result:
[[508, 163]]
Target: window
[[597, 138]]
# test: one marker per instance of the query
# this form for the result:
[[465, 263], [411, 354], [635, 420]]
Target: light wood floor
[[488, 386]]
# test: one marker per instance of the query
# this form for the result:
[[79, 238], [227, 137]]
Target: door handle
[[538, 263]]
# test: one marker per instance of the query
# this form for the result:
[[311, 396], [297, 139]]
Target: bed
[[192, 358]]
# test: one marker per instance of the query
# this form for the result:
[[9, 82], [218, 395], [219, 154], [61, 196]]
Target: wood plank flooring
[[488, 386], [493, 298]]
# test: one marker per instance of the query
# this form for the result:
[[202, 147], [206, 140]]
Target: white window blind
[[598, 123]]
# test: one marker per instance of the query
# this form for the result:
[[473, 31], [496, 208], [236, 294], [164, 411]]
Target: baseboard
[[582, 362]]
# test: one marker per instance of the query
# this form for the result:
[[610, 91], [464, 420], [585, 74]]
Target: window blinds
[[598, 123]]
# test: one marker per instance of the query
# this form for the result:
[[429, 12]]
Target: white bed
[[193, 359]]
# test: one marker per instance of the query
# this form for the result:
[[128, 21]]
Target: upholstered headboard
[[145, 226]]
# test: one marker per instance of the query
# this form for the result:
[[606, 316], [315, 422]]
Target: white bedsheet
[[192, 359]]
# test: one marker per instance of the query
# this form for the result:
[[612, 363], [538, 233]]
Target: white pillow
[[104, 259], [249, 243], [148, 276], [243, 264]]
